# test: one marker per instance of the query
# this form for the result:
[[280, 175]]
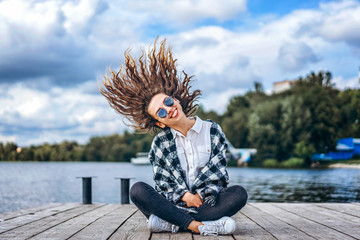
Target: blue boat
[[346, 148]]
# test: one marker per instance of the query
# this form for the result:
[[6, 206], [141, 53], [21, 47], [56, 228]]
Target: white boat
[[140, 159]]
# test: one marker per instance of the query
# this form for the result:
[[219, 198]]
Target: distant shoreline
[[342, 165]]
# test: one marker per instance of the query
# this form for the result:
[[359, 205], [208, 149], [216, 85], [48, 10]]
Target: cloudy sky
[[53, 54]]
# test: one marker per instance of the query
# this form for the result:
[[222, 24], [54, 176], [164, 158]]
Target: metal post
[[86, 190], [87, 196], [125, 186], [125, 189]]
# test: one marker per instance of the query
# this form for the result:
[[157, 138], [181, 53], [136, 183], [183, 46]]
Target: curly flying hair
[[130, 90]]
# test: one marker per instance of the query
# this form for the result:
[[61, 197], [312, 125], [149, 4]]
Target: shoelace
[[168, 226], [173, 228], [209, 233], [211, 230]]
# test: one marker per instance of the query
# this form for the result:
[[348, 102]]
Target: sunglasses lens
[[162, 113], [169, 101]]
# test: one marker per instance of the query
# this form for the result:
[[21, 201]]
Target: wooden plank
[[248, 229], [17, 213], [219, 237], [172, 236], [37, 227], [341, 222], [68, 228], [134, 228], [279, 229], [31, 217], [107, 224], [312, 228], [350, 209]]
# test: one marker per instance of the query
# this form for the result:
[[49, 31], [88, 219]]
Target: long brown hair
[[130, 90]]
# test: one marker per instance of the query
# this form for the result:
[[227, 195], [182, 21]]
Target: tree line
[[295, 123], [113, 148]]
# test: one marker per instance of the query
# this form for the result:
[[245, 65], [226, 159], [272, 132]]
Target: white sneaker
[[223, 226], [157, 224]]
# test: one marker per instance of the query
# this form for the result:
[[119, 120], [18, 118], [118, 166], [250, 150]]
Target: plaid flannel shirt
[[169, 176]]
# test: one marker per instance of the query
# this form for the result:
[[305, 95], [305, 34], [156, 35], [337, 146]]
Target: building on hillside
[[282, 86], [346, 148]]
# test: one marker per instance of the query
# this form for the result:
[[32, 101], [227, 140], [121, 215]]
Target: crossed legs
[[229, 202]]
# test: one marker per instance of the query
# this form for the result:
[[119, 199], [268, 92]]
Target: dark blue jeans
[[229, 202]]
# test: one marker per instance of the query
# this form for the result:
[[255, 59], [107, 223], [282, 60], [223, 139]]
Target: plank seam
[[284, 222], [337, 211], [93, 222], [39, 210], [258, 225], [121, 225], [37, 219], [316, 222], [64, 221]]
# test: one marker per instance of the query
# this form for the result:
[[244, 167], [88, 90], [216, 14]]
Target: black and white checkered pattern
[[169, 176]]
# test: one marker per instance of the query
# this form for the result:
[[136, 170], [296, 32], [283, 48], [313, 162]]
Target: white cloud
[[337, 21], [218, 101], [286, 43], [188, 11], [295, 56], [55, 114], [342, 83]]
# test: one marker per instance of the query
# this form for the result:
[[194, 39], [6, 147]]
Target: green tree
[[26, 154], [322, 78], [2, 152], [43, 153], [348, 103], [324, 118], [10, 153], [263, 129]]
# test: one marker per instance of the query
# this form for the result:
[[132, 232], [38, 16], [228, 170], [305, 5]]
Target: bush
[[270, 163], [293, 163]]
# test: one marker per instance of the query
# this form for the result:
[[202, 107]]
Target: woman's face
[[164, 111]]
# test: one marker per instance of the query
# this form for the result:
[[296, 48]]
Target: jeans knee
[[136, 191], [240, 195]]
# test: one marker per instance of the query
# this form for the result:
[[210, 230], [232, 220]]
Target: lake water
[[28, 184]]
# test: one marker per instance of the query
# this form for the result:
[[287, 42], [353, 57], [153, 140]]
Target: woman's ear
[[159, 124]]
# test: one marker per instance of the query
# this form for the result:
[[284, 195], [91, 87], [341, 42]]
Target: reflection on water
[[275, 185], [30, 184]]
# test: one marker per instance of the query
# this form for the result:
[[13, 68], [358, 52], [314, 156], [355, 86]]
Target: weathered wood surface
[[113, 221]]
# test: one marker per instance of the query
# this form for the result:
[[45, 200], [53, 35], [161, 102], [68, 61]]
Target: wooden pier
[[115, 221]]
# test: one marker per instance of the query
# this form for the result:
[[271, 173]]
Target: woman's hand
[[192, 200]]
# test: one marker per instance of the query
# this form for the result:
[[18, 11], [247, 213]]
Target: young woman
[[188, 154]]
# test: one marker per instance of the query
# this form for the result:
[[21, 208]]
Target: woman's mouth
[[174, 113]]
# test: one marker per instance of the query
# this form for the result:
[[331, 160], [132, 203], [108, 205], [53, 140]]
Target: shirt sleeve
[[165, 181]]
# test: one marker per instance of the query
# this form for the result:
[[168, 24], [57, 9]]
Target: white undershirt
[[194, 149]]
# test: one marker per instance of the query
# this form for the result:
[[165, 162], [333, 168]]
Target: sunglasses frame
[[169, 102]]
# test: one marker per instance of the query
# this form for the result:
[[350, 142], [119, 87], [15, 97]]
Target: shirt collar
[[196, 127]]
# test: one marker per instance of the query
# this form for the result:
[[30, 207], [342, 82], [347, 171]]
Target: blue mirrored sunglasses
[[168, 101]]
